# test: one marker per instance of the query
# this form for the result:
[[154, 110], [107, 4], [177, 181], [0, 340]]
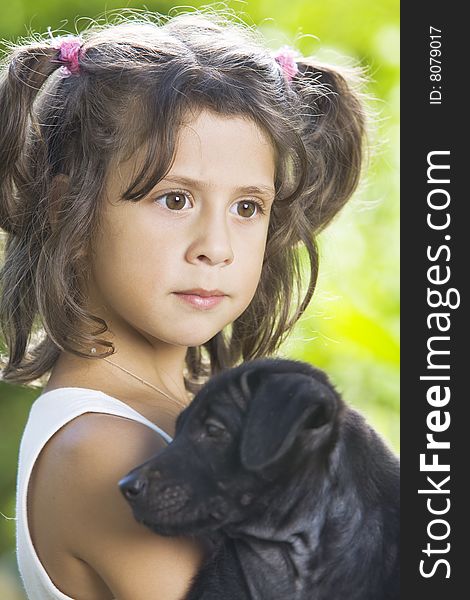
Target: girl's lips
[[202, 302]]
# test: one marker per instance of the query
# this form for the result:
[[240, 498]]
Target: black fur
[[295, 492]]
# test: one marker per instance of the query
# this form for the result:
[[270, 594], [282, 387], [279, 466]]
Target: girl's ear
[[59, 187], [279, 408]]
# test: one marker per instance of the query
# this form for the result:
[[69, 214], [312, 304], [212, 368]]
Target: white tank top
[[49, 412]]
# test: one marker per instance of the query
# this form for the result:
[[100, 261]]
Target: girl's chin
[[183, 331], [195, 333]]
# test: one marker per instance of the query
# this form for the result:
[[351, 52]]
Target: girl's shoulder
[[95, 440], [82, 464], [78, 511]]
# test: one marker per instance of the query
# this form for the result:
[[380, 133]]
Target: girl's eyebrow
[[201, 185]]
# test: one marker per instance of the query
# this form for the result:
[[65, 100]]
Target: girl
[[157, 180]]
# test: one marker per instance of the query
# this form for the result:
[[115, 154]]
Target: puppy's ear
[[281, 406]]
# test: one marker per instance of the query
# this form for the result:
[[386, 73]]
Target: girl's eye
[[173, 200], [249, 208]]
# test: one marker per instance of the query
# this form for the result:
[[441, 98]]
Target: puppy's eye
[[214, 428]]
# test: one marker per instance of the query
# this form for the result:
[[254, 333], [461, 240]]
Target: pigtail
[[334, 134], [25, 72]]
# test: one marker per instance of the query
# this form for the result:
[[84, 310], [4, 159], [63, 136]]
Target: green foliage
[[351, 328], [15, 402]]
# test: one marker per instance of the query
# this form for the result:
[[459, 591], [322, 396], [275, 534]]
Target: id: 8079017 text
[[435, 65]]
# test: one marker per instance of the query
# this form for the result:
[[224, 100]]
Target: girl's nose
[[211, 242]]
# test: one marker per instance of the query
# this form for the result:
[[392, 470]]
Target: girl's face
[[203, 227]]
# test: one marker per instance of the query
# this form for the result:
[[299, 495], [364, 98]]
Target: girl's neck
[[74, 371]]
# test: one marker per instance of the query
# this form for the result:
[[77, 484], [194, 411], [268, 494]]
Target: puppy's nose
[[133, 486]]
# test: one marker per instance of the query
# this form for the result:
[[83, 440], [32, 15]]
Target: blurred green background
[[351, 328]]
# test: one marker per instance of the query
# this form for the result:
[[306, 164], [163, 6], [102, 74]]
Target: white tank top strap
[[49, 413], [69, 402]]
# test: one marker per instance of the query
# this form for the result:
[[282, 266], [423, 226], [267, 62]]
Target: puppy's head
[[243, 436]]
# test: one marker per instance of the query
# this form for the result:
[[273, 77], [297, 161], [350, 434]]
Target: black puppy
[[297, 494]]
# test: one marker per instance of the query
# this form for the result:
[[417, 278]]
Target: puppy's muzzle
[[147, 491]]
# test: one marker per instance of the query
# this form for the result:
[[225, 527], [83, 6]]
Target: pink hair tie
[[70, 50], [285, 57]]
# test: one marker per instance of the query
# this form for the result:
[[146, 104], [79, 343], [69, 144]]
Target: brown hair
[[77, 126]]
